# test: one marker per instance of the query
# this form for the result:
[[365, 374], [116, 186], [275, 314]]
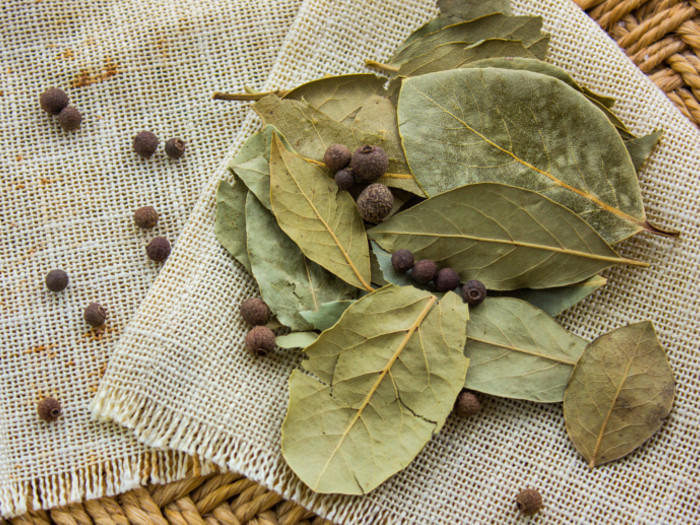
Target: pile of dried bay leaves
[[502, 168]]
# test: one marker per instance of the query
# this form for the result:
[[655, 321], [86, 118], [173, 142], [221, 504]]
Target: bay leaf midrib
[[523, 351]]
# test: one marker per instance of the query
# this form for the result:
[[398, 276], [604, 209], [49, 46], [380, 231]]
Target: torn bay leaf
[[544, 136], [506, 237], [640, 148], [323, 221], [383, 380], [516, 350], [326, 315], [389, 274], [230, 226], [620, 392], [289, 283], [296, 340]]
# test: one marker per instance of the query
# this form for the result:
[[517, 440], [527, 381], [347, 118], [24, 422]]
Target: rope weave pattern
[[663, 38]]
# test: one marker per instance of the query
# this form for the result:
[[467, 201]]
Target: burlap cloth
[[177, 376]]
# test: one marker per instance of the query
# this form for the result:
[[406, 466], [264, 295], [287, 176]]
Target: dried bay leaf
[[640, 148], [389, 274], [323, 221], [383, 381], [252, 164], [326, 315], [471, 9], [506, 237], [289, 283], [296, 340], [516, 350], [555, 300], [230, 225], [621, 390], [525, 129]]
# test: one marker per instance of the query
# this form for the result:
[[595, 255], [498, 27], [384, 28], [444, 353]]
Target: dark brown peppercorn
[[375, 203], [95, 315], [529, 501], [56, 280], [260, 340], [254, 311], [345, 180], [175, 148], [467, 404], [369, 163], [158, 249], [146, 217], [49, 409], [337, 157], [474, 292], [145, 143], [402, 260], [423, 271], [446, 279], [53, 100], [69, 118]]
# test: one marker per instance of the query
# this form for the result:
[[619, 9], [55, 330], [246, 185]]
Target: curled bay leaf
[[326, 315], [296, 340], [516, 350], [619, 394], [230, 226], [506, 237], [323, 221], [379, 385], [544, 136], [288, 281]]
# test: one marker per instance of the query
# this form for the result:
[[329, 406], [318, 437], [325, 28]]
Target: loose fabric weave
[[67, 201]]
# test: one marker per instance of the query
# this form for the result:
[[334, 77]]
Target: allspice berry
[[175, 148], [95, 315], [70, 118], [158, 249], [529, 501], [423, 271], [337, 157], [474, 292], [402, 260], [146, 217], [467, 404], [345, 179], [53, 100], [49, 409], [369, 163], [255, 311], [145, 143], [260, 340], [446, 279], [56, 280], [375, 203]]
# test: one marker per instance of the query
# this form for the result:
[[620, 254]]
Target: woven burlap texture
[[67, 201], [180, 379]]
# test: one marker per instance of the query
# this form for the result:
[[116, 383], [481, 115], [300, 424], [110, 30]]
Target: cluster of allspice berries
[[260, 340], [146, 143], [55, 102], [361, 169]]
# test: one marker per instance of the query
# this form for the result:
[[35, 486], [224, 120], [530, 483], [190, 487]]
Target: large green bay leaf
[[289, 283], [516, 350], [310, 132], [619, 394], [230, 225], [323, 221], [524, 129], [555, 300], [506, 237], [379, 385]]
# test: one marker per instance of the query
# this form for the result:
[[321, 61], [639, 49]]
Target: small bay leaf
[[252, 164], [289, 283], [384, 380], [555, 300], [296, 340], [323, 221], [230, 226], [640, 148], [471, 9], [326, 315], [516, 350], [387, 270], [621, 390], [506, 237], [544, 136]]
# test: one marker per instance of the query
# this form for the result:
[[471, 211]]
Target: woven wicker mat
[[661, 36]]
